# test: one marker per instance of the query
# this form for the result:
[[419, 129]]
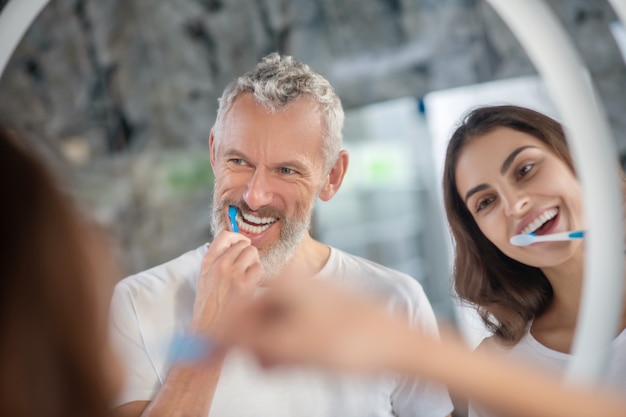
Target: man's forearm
[[187, 391]]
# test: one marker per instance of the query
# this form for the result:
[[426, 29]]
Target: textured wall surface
[[123, 73], [126, 90]]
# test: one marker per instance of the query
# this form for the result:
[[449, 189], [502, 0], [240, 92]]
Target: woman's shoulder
[[491, 344]]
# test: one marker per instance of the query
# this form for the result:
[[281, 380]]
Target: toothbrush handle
[[232, 213], [579, 234]]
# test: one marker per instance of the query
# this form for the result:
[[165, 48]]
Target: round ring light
[[555, 58], [550, 49], [15, 19]]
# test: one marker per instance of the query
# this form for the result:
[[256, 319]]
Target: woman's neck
[[556, 326], [567, 282]]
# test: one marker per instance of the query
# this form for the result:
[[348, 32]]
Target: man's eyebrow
[[295, 164], [474, 190], [230, 153], [292, 163], [509, 159]]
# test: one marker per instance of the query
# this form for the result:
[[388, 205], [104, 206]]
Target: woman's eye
[[483, 204], [524, 170]]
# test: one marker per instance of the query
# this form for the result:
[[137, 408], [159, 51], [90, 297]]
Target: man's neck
[[308, 260]]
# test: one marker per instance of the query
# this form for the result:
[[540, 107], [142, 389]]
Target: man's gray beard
[[276, 256]]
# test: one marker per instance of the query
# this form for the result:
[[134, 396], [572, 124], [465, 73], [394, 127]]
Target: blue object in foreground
[[190, 348]]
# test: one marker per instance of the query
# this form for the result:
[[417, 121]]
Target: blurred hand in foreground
[[315, 322]]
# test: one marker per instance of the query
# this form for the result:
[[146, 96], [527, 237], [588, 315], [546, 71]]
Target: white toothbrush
[[529, 238]]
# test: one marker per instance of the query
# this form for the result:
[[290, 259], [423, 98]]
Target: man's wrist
[[191, 347]]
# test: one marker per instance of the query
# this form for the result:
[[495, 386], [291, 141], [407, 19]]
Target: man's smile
[[254, 225]]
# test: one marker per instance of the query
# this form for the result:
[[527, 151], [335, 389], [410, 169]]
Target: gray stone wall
[[121, 94]]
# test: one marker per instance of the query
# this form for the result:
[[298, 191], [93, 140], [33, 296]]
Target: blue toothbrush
[[232, 214], [530, 238]]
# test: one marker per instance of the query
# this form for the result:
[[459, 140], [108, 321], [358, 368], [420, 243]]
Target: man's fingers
[[220, 245], [248, 260], [235, 260], [230, 255]]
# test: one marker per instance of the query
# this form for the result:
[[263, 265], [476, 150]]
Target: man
[[275, 148]]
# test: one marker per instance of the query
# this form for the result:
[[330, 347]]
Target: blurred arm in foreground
[[314, 323]]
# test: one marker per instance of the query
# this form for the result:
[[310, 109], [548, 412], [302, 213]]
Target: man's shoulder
[[401, 292], [367, 273], [369, 267], [181, 270]]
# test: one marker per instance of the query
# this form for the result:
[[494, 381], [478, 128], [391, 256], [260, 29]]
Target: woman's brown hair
[[507, 294], [52, 305]]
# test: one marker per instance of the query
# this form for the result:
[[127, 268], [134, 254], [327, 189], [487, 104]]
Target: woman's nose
[[515, 201]]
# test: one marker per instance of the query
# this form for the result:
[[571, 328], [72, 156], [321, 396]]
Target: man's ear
[[335, 177], [212, 147]]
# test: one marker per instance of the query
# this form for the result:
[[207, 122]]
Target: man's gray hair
[[275, 82]]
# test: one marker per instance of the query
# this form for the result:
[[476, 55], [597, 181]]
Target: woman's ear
[[335, 177]]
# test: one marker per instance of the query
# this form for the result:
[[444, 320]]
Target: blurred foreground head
[[55, 358]]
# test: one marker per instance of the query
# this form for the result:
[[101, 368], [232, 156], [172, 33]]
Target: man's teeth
[[254, 224], [540, 221]]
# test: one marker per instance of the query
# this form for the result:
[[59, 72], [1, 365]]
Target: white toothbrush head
[[522, 240]]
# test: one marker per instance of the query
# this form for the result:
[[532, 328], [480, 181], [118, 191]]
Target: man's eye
[[287, 171], [237, 161], [483, 204]]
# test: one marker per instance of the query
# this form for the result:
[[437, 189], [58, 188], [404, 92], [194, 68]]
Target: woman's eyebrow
[[474, 190], [509, 159], [505, 166]]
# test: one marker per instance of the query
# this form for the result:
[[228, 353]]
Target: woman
[[508, 171], [54, 353]]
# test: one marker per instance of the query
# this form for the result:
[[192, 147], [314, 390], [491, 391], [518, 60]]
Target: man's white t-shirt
[[150, 308]]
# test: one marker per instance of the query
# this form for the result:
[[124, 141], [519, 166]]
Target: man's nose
[[258, 191]]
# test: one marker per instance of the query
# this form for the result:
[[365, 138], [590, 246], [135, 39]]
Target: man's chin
[[275, 259], [272, 267]]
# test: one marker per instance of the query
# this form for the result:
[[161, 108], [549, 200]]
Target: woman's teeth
[[540, 221]]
